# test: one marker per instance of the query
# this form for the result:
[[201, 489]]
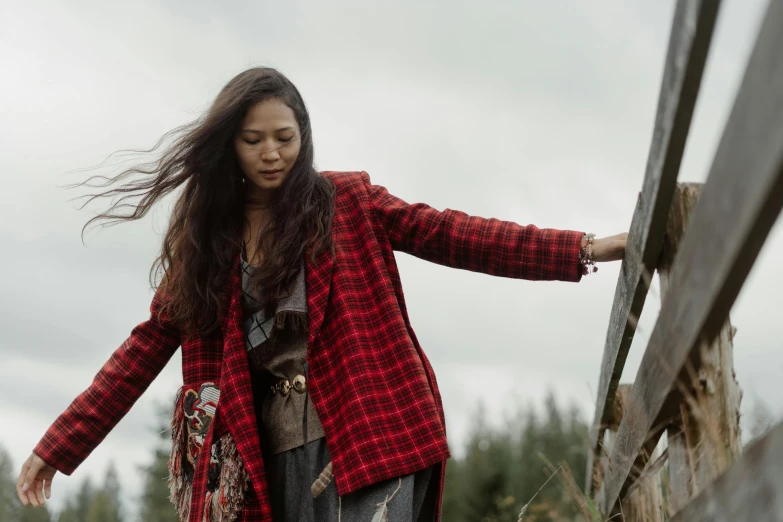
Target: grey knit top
[[277, 349]]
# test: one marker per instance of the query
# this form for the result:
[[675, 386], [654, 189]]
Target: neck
[[257, 197], [257, 214]]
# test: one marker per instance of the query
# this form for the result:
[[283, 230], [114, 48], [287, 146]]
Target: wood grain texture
[[689, 41], [704, 435], [752, 489], [738, 206]]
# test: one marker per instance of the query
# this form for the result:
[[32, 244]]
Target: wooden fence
[[703, 240]]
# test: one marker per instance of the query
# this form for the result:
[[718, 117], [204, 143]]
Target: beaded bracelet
[[586, 255]]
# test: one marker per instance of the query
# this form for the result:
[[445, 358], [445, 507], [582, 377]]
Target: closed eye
[[284, 140]]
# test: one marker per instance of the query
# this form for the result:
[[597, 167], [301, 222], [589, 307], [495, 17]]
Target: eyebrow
[[260, 132]]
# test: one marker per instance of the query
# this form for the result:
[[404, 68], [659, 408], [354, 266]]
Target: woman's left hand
[[610, 248]]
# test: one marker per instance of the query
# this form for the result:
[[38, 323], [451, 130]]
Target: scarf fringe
[[224, 503], [295, 320], [285, 321], [180, 485]]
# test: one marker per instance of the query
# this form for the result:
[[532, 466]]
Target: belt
[[284, 386]]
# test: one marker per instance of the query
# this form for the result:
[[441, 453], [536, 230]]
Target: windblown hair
[[204, 234]]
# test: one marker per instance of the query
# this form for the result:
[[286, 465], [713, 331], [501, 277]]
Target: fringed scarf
[[290, 314], [227, 479]]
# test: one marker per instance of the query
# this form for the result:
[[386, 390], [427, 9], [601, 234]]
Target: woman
[[303, 379]]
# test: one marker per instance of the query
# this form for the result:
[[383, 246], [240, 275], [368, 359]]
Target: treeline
[[504, 467], [98, 503], [501, 469], [89, 504]]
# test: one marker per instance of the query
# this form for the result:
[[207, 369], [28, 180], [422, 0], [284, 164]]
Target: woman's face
[[267, 145]]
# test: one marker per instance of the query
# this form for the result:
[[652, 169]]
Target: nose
[[270, 155]]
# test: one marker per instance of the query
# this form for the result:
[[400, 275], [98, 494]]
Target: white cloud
[[533, 113]]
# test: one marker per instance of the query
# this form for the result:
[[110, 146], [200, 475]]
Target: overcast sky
[[535, 112]]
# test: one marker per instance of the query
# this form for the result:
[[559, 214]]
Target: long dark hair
[[204, 234]]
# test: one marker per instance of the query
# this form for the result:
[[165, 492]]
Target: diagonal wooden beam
[[739, 204], [689, 42], [752, 489]]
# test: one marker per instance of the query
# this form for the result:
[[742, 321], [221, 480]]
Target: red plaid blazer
[[370, 382]]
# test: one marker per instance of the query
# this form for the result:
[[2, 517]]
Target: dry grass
[[708, 441], [585, 506], [709, 445]]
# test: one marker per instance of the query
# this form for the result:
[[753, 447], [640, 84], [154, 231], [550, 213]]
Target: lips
[[270, 174]]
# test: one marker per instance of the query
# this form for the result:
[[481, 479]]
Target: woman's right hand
[[35, 480]]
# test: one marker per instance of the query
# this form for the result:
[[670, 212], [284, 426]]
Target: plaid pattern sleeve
[[489, 246], [115, 388]]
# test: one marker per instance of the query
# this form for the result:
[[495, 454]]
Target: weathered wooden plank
[[646, 502], [689, 42], [705, 440], [739, 204], [680, 470], [618, 407], [704, 434], [752, 489]]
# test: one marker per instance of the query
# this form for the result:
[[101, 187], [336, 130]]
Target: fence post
[[703, 437], [645, 502], [602, 467]]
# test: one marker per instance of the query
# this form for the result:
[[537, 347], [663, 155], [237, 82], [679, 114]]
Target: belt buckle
[[300, 383], [284, 386]]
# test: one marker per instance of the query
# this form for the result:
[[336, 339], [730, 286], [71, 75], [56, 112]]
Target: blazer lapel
[[235, 405], [318, 276]]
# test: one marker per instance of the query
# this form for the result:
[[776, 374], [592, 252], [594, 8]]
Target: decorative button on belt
[[284, 386], [299, 383]]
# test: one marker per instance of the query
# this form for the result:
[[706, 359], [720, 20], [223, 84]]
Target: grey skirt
[[406, 499]]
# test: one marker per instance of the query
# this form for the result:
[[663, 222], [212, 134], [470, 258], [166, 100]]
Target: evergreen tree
[[34, 514], [11, 510], [8, 499], [452, 509], [155, 505], [76, 508], [502, 469], [104, 506], [95, 504], [111, 486], [84, 499], [70, 513], [487, 485]]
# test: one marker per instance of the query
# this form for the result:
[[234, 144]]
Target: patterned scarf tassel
[[289, 320], [226, 502], [179, 486], [292, 320]]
